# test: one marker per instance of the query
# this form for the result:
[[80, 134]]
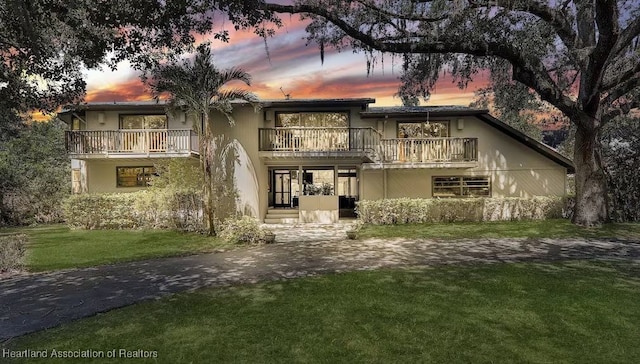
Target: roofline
[[363, 102], [539, 147], [386, 114]]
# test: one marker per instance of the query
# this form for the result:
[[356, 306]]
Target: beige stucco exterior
[[514, 169]]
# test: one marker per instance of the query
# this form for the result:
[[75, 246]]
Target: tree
[[34, 175], [45, 45], [581, 56], [197, 87]]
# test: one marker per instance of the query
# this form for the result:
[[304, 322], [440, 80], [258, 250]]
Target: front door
[[282, 188]]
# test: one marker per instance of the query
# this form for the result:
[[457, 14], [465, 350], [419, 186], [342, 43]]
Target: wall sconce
[[182, 117], [460, 124], [101, 118]]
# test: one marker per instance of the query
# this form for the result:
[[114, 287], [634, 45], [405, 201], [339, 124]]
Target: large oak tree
[[581, 56]]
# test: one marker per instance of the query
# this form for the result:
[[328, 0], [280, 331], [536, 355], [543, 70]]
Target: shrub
[[12, 251], [242, 230], [407, 210], [157, 209]]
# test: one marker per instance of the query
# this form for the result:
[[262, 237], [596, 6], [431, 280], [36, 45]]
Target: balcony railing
[[428, 150], [128, 141], [330, 139]]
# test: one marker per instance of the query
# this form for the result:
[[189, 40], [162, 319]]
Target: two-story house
[[310, 160]]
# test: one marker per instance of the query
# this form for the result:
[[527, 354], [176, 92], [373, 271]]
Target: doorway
[[284, 188]]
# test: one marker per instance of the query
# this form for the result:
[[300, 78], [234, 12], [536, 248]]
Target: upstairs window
[[423, 129], [143, 121], [459, 186], [312, 119]]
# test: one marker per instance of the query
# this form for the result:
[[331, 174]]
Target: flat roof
[[445, 110]]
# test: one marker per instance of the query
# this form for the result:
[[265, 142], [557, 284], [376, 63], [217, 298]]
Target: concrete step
[[282, 212], [283, 220]]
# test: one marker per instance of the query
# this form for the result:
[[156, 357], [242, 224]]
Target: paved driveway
[[38, 301]]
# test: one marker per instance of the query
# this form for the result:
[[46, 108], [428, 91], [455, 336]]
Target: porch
[[131, 143]]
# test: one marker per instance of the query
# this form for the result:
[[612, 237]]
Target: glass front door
[[281, 188]]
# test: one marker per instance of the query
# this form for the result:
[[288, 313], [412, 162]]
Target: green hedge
[[12, 251], [407, 210], [158, 209]]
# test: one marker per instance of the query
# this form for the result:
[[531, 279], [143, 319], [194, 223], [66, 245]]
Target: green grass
[[57, 247], [576, 312], [558, 228]]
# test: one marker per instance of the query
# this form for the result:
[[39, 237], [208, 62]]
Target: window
[[143, 121], [318, 182], [312, 119], [77, 124], [134, 176], [461, 187], [423, 129]]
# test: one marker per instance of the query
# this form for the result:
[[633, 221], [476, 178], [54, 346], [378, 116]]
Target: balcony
[[147, 143], [338, 142], [427, 153]]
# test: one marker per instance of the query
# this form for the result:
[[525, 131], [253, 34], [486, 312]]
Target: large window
[[312, 119], [423, 129], [318, 182], [461, 186], [143, 121], [134, 176]]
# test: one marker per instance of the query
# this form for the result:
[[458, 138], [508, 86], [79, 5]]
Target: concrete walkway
[[39, 301]]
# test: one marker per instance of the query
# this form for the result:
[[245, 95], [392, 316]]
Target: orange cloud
[[131, 90]]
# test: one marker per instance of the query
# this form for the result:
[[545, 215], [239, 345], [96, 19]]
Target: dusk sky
[[293, 66]]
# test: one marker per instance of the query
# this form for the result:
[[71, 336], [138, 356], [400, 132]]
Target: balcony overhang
[[420, 165], [274, 158], [116, 155]]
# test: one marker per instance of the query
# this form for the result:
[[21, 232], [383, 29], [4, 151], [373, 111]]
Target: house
[[310, 160]]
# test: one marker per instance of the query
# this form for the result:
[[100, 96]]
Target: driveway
[[38, 301]]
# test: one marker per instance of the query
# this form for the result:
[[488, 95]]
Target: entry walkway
[[39, 301]]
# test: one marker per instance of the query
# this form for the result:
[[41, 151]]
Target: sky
[[291, 65]]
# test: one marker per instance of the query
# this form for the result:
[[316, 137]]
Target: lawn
[[573, 312], [57, 247], [555, 228]]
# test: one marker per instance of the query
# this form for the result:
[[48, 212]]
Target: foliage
[[12, 252], [155, 209], [407, 210], [183, 174], [565, 312], [242, 230], [582, 57], [196, 85], [46, 45], [621, 156], [34, 175]]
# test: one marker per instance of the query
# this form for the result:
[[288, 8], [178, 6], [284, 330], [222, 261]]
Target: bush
[[242, 230], [407, 210], [158, 209], [12, 251]]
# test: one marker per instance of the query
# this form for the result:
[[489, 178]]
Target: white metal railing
[[429, 150], [132, 141], [318, 139]]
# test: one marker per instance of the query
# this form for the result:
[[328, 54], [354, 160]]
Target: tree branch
[[622, 89], [530, 72], [556, 19], [623, 109], [621, 76], [631, 32]]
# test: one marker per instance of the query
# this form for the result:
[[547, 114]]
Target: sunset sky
[[293, 66]]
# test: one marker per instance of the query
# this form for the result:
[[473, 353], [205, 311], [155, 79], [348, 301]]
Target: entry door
[[282, 188]]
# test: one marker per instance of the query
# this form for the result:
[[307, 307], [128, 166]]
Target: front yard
[[54, 247], [573, 312], [537, 229]]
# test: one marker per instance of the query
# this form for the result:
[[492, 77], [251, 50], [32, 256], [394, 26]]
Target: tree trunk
[[591, 184], [205, 162]]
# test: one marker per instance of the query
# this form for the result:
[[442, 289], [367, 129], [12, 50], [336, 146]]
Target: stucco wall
[[515, 169]]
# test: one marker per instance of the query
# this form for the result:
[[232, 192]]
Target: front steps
[[282, 216]]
